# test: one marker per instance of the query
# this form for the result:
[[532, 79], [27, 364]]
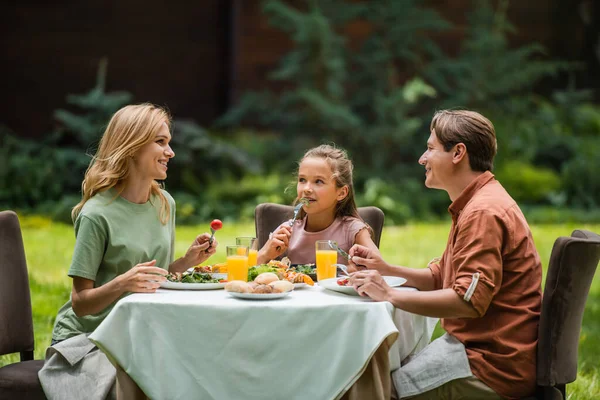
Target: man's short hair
[[472, 129]]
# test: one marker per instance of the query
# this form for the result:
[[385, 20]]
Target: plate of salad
[[193, 281]]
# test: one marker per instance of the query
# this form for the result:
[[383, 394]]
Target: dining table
[[206, 344]]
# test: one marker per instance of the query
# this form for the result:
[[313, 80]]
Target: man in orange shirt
[[486, 287]]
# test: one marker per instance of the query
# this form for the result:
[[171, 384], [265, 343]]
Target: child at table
[[125, 237], [325, 181]]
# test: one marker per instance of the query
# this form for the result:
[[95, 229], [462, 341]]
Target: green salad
[[305, 268], [192, 277]]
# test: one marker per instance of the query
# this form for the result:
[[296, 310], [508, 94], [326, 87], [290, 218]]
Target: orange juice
[[325, 261], [237, 268], [252, 256]]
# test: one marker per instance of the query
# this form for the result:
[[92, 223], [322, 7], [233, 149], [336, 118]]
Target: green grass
[[49, 247]]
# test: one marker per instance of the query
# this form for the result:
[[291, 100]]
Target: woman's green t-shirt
[[112, 236]]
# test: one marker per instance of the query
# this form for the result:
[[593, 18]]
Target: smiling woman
[[125, 238]]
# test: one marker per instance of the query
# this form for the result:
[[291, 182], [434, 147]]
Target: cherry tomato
[[216, 224], [342, 281]]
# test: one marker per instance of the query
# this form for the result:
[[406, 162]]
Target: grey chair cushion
[[20, 381]]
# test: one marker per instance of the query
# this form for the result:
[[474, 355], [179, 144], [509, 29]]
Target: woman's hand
[[143, 278], [276, 245], [200, 250], [362, 257], [371, 284]]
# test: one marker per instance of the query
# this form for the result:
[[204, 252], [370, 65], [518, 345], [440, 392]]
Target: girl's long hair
[[128, 130]]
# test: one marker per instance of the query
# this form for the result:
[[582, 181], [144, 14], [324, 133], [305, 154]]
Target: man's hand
[[362, 257], [371, 284]]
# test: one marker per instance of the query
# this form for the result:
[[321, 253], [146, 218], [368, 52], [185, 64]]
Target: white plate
[[191, 286], [300, 285], [331, 284], [259, 296]]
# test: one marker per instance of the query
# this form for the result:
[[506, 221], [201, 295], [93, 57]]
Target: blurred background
[[252, 84]]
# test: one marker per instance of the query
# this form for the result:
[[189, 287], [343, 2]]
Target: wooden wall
[[172, 53], [196, 57]]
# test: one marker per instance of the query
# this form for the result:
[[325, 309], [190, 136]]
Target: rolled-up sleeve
[[478, 258], [436, 273]]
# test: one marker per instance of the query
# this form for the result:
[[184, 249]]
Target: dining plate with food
[[192, 280], [265, 286], [342, 285]]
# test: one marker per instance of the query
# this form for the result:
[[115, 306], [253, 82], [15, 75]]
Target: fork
[[297, 209], [334, 246], [342, 268], [302, 202]]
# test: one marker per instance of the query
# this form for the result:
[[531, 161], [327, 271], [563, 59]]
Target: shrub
[[527, 183]]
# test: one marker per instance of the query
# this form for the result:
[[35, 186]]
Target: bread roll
[[238, 287], [266, 277], [282, 286], [263, 289]]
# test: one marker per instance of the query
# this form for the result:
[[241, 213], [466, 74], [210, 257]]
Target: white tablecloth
[[207, 345]]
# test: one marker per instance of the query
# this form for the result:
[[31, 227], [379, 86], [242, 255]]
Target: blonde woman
[[125, 235]]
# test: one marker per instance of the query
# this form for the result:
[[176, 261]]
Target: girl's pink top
[[343, 230]]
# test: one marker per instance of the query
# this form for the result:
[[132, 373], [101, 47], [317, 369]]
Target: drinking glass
[[252, 244], [326, 258], [237, 263]]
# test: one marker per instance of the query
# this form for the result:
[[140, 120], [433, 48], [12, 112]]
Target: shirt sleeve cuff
[[476, 290]]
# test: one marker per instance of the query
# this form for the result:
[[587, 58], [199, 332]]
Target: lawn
[[49, 247]]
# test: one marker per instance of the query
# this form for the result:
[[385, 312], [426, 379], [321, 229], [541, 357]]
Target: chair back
[[16, 323], [573, 262], [268, 216]]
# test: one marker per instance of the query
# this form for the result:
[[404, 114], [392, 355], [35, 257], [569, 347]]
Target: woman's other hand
[[143, 278]]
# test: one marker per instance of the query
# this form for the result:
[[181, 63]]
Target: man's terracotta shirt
[[491, 258]]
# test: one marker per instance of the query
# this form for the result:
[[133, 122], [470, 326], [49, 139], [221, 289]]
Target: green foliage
[[527, 183], [488, 74], [581, 177], [202, 160], [557, 215], [232, 198]]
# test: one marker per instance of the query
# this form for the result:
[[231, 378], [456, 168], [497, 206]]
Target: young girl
[[125, 236], [325, 181]]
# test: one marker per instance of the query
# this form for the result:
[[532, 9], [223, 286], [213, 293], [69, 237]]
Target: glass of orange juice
[[237, 263], [326, 258], [252, 244]]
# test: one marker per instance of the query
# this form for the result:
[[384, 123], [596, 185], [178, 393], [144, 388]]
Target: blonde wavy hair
[[128, 130]]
